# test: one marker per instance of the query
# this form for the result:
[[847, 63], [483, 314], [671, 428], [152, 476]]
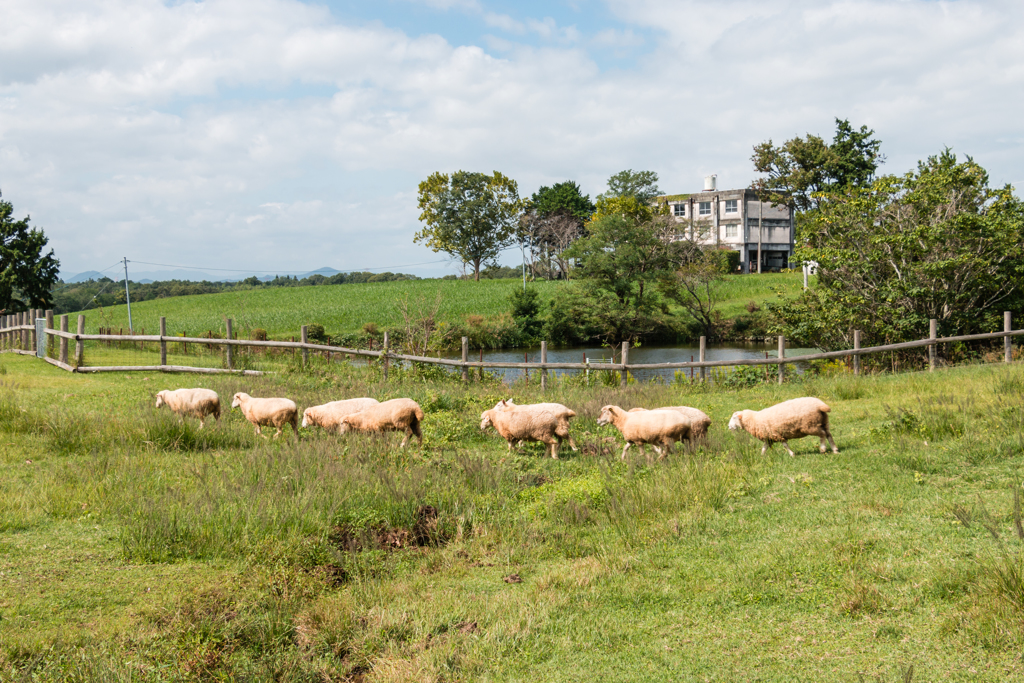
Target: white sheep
[[195, 402], [699, 420], [791, 419], [328, 415], [544, 422], [398, 414], [664, 427], [276, 412]]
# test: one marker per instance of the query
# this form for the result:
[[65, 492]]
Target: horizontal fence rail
[[20, 333]]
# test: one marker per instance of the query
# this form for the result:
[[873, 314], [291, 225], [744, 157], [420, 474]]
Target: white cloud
[[265, 133]]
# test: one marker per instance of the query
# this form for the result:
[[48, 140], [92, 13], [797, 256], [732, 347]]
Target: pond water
[[639, 355]]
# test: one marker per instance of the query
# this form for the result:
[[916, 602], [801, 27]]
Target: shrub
[[258, 334], [315, 333]]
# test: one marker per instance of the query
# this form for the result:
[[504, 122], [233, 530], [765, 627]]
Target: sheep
[[545, 422], [195, 402], [328, 415], [791, 419], [699, 420], [398, 414], [664, 427], [276, 412]]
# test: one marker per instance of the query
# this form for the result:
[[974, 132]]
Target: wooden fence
[[33, 333]]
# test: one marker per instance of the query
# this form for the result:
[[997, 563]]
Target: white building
[[737, 220]]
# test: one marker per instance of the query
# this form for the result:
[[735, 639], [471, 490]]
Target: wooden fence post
[[933, 333], [703, 355], [305, 352], [543, 370], [163, 340], [62, 354], [782, 356], [32, 341], [79, 344], [49, 326], [26, 336], [385, 355], [227, 347], [1007, 343], [856, 356], [465, 359], [625, 360]]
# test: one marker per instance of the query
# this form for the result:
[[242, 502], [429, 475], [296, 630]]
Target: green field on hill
[[281, 311], [137, 547]]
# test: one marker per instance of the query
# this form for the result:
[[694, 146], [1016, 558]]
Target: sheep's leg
[[828, 434], [765, 446], [554, 448], [201, 425], [624, 450], [572, 444], [790, 450], [821, 444], [405, 440], [277, 433]]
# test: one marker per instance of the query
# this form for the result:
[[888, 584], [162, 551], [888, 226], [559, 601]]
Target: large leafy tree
[[937, 242], [624, 265], [629, 183], [471, 216], [26, 274], [554, 220], [801, 170], [562, 199]]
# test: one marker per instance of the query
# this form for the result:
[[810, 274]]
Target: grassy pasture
[[281, 311], [133, 547]]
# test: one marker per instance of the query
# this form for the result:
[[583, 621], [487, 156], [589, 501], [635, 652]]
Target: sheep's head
[[736, 421], [160, 399], [344, 426], [306, 421], [504, 404], [606, 416], [485, 419], [238, 398]]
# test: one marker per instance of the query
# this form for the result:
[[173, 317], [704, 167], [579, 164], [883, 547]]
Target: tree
[[26, 274], [471, 216], [937, 243], [697, 289], [555, 219], [801, 169], [622, 263], [562, 199], [629, 183]]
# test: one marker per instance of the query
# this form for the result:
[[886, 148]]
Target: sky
[[281, 136]]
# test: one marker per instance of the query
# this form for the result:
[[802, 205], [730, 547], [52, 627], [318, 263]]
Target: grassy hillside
[[345, 308], [133, 547]]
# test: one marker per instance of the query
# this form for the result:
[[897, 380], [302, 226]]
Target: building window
[[679, 210], [730, 206], [705, 208], [730, 230]]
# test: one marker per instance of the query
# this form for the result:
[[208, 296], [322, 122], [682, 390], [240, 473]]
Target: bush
[[258, 334], [315, 333]]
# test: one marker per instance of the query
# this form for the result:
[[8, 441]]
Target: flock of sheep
[[547, 423]]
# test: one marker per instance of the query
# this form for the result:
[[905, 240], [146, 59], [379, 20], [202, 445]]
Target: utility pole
[[127, 297]]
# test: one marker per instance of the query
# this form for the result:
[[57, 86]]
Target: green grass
[[135, 547], [282, 311]]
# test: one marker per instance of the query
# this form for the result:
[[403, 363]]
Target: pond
[[647, 353]]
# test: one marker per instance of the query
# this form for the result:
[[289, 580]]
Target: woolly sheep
[[276, 412], [699, 420], [544, 422], [791, 419], [328, 415], [195, 402], [398, 414], [664, 427]]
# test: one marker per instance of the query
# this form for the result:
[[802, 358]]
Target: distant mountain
[[82, 277], [326, 271]]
